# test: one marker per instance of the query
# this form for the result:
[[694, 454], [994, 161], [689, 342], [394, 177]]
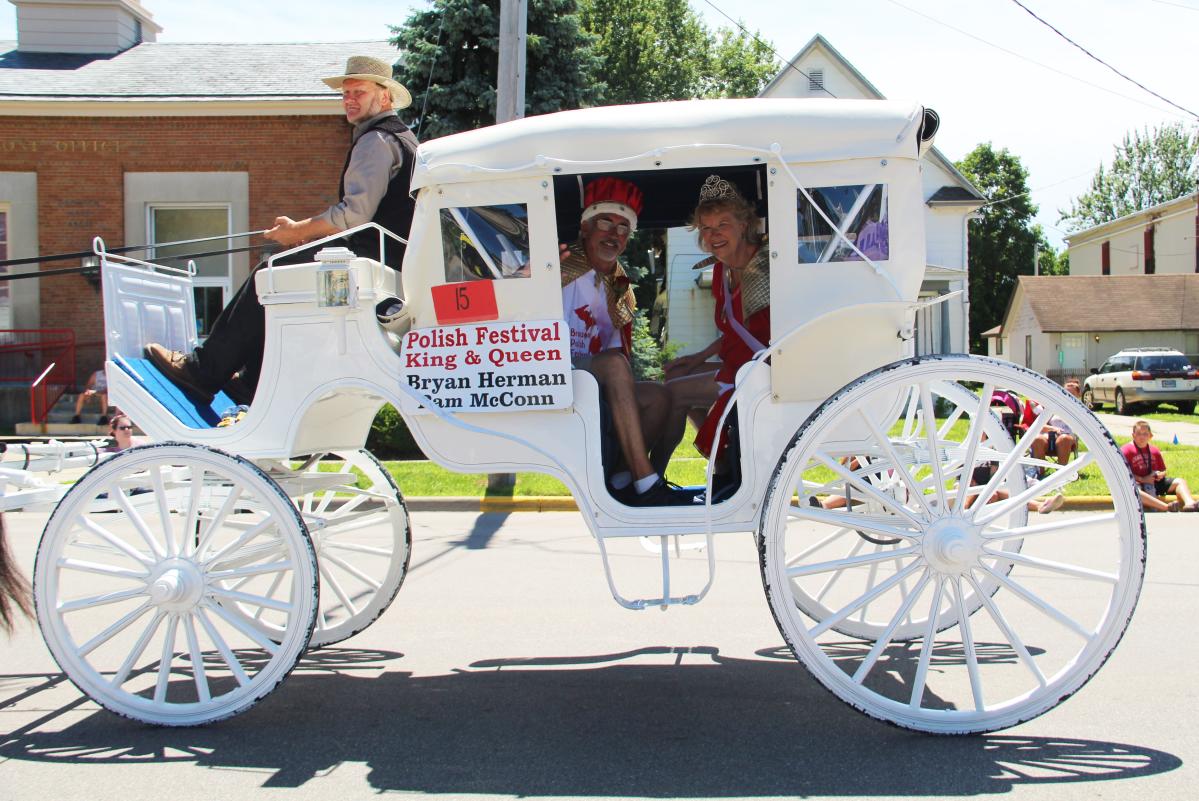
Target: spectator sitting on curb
[[97, 387], [1149, 473], [121, 431]]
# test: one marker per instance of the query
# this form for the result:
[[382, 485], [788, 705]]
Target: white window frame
[[6, 304], [225, 283]]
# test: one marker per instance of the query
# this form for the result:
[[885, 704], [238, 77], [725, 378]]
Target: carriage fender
[[816, 358]]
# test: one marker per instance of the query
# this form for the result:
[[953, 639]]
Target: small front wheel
[[156, 575]]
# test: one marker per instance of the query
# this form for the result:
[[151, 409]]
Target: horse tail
[[15, 593]]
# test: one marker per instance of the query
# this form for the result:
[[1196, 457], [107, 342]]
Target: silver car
[[1143, 376]]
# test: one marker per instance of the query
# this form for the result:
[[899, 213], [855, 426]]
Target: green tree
[[1150, 168], [1003, 240], [661, 50], [451, 61]]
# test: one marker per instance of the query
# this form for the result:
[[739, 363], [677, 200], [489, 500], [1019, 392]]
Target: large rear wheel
[[964, 631]]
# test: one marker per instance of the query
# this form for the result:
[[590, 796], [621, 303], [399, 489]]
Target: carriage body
[[857, 465]]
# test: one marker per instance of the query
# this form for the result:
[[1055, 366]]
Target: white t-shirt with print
[[585, 305]]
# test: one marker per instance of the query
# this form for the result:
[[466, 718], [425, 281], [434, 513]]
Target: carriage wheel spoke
[[1039, 603], [227, 655], [115, 541], [930, 432], [864, 598], [967, 632], [113, 630], [836, 568], [355, 548], [799, 557], [352, 570], [1039, 487], [234, 619], [880, 644], [252, 600], [100, 600], [102, 569], [215, 523], [193, 510], [253, 570], [197, 660], [1056, 567], [139, 523], [852, 560], [335, 585], [899, 467], [866, 489], [927, 645], [1013, 639], [243, 539], [1051, 527], [164, 664], [138, 649], [164, 513], [973, 441]]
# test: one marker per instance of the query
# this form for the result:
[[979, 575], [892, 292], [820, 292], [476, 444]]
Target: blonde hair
[[734, 202], [1139, 424]]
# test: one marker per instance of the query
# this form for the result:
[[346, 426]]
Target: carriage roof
[[639, 136]]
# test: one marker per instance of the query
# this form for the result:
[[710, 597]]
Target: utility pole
[[510, 105]]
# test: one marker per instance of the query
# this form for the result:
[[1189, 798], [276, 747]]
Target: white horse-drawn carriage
[[180, 582]]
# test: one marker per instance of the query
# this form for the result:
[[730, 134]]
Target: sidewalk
[[1120, 426]]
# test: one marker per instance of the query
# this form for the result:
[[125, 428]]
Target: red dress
[[734, 352]]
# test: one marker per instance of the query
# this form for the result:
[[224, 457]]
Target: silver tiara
[[717, 188]]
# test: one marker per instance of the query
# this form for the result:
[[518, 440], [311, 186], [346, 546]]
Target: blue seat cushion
[[186, 407]]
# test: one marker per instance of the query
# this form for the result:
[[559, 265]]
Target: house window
[[816, 80], [1150, 256], [5, 296], [1105, 258], [998, 346], [859, 212], [1028, 350], [214, 274]]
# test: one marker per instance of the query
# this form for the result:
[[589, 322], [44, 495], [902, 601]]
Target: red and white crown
[[612, 196]]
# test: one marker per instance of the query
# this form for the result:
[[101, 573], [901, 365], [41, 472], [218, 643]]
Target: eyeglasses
[[122, 428], [608, 225]]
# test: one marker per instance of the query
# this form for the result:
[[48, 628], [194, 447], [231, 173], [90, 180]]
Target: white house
[[1134, 282], [819, 71]]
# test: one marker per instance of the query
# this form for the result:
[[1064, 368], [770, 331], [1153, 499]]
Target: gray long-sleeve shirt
[[374, 160]]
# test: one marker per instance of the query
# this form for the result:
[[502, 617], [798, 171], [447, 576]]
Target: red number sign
[[468, 302]]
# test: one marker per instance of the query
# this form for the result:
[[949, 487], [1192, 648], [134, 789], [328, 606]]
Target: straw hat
[[365, 68]]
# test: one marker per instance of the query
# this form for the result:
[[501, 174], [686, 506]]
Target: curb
[[553, 503]]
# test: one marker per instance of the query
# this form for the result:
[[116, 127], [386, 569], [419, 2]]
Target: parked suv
[[1148, 376]]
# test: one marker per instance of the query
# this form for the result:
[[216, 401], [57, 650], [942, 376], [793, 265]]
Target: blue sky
[[992, 71]]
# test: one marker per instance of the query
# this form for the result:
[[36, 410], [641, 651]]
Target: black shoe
[[76, 419], [238, 390], [103, 421], [178, 370], [662, 493]]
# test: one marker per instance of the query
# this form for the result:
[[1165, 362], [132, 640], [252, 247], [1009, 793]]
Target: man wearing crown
[[374, 186], [598, 304]]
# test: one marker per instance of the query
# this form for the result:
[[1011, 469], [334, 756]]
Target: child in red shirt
[[1149, 474]]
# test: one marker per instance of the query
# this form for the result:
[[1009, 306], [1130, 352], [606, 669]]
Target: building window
[[1150, 256], [1028, 350], [1105, 258], [485, 242], [998, 346], [214, 274], [5, 296], [816, 80]]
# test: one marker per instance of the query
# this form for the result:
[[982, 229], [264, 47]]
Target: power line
[[787, 63], [1176, 5], [1026, 58], [1101, 61]]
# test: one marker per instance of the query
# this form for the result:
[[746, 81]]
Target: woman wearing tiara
[[727, 227]]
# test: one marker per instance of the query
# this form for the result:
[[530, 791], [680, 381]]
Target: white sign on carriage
[[492, 367]]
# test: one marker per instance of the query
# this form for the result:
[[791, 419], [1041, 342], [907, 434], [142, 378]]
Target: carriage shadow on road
[[602, 725]]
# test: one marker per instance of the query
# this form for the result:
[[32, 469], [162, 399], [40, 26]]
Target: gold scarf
[[617, 287], [755, 280]]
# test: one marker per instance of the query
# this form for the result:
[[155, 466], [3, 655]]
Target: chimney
[[82, 26]]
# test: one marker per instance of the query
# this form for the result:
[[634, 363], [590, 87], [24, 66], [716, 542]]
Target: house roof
[[1069, 303], [1132, 219], [954, 196], [181, 71], [971, 194], [993, 332]]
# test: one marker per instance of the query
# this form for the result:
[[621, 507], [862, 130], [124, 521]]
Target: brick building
[[105, 132]]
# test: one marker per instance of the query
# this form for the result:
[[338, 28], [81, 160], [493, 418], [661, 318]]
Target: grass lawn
[[1165, 413], [424, 479]]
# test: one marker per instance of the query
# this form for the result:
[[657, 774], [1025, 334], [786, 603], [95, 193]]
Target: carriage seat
[[188, 410]]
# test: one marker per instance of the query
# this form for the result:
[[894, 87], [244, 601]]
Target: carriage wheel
[[154, 575], [363, 541], [889, 488], [981, 662]]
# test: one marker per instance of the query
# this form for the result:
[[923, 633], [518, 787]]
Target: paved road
[[1121, 426], [504, 670]]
